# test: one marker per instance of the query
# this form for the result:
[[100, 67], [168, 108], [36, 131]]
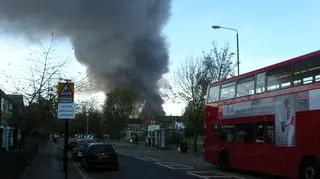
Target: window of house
[[261, 83], [228, 90], [5, 105], [245, 87], [2, 104], [279, 78], [213, 94], [244, 132], [307, 71], [10, 107]]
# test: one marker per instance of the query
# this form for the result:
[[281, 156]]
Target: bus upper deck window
[[245, 87], [213, 94], [279, 78], [307, 71], [261, 83], [228, 90]]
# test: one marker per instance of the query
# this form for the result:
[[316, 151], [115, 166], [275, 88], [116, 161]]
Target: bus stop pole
[[65, 151]]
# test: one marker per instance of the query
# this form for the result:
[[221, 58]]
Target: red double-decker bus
[[268, 120]]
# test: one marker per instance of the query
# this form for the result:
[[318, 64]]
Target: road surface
[[139, 167], [138, 162]]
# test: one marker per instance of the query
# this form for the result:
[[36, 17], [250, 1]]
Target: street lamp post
[[237, 36], [87, 117], [66, 139]]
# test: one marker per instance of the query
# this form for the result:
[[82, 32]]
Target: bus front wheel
[[310, 169], [224, 160]]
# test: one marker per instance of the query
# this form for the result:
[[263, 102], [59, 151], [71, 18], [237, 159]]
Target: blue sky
[[270, 31]]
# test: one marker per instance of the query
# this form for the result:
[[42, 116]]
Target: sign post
[[66, 112]]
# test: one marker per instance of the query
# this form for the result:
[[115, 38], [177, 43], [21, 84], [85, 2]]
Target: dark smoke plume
[[120, 41]]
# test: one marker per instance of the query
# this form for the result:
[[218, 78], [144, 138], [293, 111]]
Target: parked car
[[100, 155], [80, 148], [71, 143]]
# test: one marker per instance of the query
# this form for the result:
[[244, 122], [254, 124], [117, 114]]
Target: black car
[[80, 148], [79, 151], [100, 155]]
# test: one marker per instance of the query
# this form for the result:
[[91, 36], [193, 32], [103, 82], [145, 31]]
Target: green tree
[[191, 80], [119, 105], [87, 111]]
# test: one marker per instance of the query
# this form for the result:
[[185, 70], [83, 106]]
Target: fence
[[200, 142], [13, 164]]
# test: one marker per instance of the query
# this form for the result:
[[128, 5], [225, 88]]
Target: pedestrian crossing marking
[[174, 166]]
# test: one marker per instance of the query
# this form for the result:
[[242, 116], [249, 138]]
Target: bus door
[[211, 132], [227, 140], [244, 149]]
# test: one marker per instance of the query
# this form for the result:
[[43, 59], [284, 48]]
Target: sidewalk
[[48, 165], [164, 155]]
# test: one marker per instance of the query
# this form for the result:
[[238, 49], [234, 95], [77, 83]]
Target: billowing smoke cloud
[[120, 41]]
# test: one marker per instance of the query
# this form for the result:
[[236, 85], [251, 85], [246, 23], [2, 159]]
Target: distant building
[[134, 127], [165, 122], [11, 109], [140, 126], [8, 105], [163, 131]]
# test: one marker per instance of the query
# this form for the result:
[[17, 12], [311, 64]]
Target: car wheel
[[87, 168], [310, 169], [82, 163]]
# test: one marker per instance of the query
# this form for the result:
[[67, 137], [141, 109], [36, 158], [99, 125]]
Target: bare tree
[[43, 71], [190, 82], [38, 86]]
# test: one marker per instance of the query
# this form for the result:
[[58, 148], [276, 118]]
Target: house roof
[[2, 93], [13, 98]]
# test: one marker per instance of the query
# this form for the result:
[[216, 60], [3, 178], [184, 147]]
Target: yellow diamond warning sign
[[65, 92]]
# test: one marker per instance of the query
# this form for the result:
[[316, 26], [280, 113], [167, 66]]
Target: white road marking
[[205, 176], [152, 159], [126, 154], [230, 175], [144, 158], [83, 176], [140, 158], [212, 174], [199, 176], [148, 159], [173, 165]]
